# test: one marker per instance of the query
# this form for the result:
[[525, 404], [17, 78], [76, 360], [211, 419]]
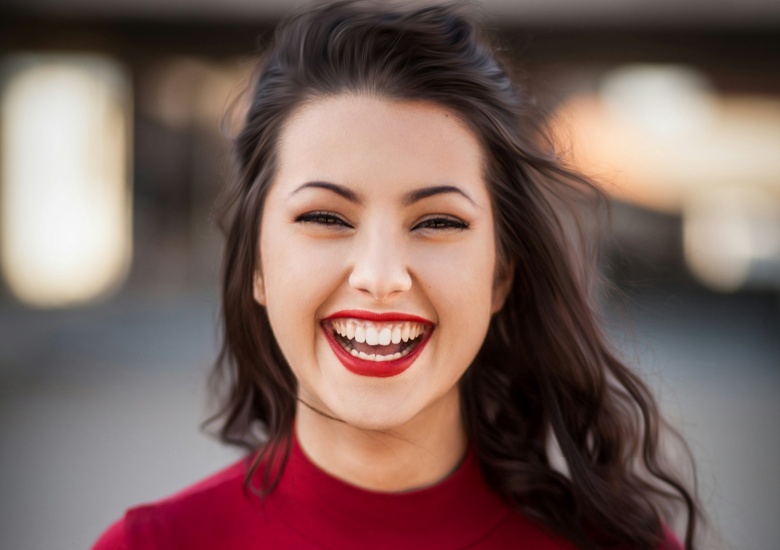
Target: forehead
[[357, 139]]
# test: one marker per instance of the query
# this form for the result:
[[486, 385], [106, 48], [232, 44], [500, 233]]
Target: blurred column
[[65, 193]]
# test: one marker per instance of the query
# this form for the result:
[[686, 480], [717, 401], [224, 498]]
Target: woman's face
[[377, 257]]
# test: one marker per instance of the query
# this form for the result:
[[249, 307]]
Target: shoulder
[[220, 494], [113, 538], [517, 527], [671, 542]]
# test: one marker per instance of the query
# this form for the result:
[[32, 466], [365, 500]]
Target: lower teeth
[[346, 345], [378, 358]]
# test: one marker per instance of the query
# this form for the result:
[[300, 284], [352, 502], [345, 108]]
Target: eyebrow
[[425, 192], [410, 198], [334, 187]]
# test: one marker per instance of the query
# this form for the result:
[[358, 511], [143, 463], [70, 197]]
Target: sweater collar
[[453, 513]]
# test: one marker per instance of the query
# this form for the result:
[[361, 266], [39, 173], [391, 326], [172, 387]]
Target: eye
[[441, 223], [330, 219]]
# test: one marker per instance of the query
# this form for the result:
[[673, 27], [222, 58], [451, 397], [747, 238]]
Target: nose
[[379, 266]]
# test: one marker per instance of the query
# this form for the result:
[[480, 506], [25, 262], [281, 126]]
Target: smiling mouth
[[377, 341]]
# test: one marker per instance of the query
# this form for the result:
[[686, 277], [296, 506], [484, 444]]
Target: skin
[[379, 252]]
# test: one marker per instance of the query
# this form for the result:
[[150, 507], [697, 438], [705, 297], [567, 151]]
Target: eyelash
[[442, 223], [322, 218], [437, 223]]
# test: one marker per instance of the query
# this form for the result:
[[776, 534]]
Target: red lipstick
[[386, 316], [383, 369]]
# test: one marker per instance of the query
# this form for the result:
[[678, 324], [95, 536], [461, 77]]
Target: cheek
[[460, 287], [295, 267], [298, 276], [459, 278]]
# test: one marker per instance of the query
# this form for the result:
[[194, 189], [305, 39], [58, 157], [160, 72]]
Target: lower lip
[[377, 369]]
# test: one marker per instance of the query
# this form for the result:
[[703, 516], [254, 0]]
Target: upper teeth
[[377, 333]]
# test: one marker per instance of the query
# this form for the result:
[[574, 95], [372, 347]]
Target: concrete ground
[[100, 407]]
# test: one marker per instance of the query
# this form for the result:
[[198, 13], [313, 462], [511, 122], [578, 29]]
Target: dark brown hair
[[545, 374]]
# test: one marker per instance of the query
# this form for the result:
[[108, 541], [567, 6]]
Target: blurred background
[[112, 152]]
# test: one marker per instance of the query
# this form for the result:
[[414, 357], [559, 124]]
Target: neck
[[417, 454]]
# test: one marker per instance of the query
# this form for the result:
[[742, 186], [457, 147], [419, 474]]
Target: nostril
[[380, 283]]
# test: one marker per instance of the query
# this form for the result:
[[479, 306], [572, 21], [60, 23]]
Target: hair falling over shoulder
[[545, 377]]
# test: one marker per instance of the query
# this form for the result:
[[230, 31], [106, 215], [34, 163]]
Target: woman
[[408, 336]]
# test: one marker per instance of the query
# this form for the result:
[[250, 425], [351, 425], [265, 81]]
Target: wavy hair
[[545, 375]]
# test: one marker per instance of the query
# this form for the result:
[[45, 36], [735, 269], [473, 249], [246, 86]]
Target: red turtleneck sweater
[[311, 509]]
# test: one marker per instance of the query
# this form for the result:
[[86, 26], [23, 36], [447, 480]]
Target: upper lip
[[386, 316]]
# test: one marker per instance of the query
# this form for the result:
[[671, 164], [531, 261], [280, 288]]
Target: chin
[[374, 413]]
